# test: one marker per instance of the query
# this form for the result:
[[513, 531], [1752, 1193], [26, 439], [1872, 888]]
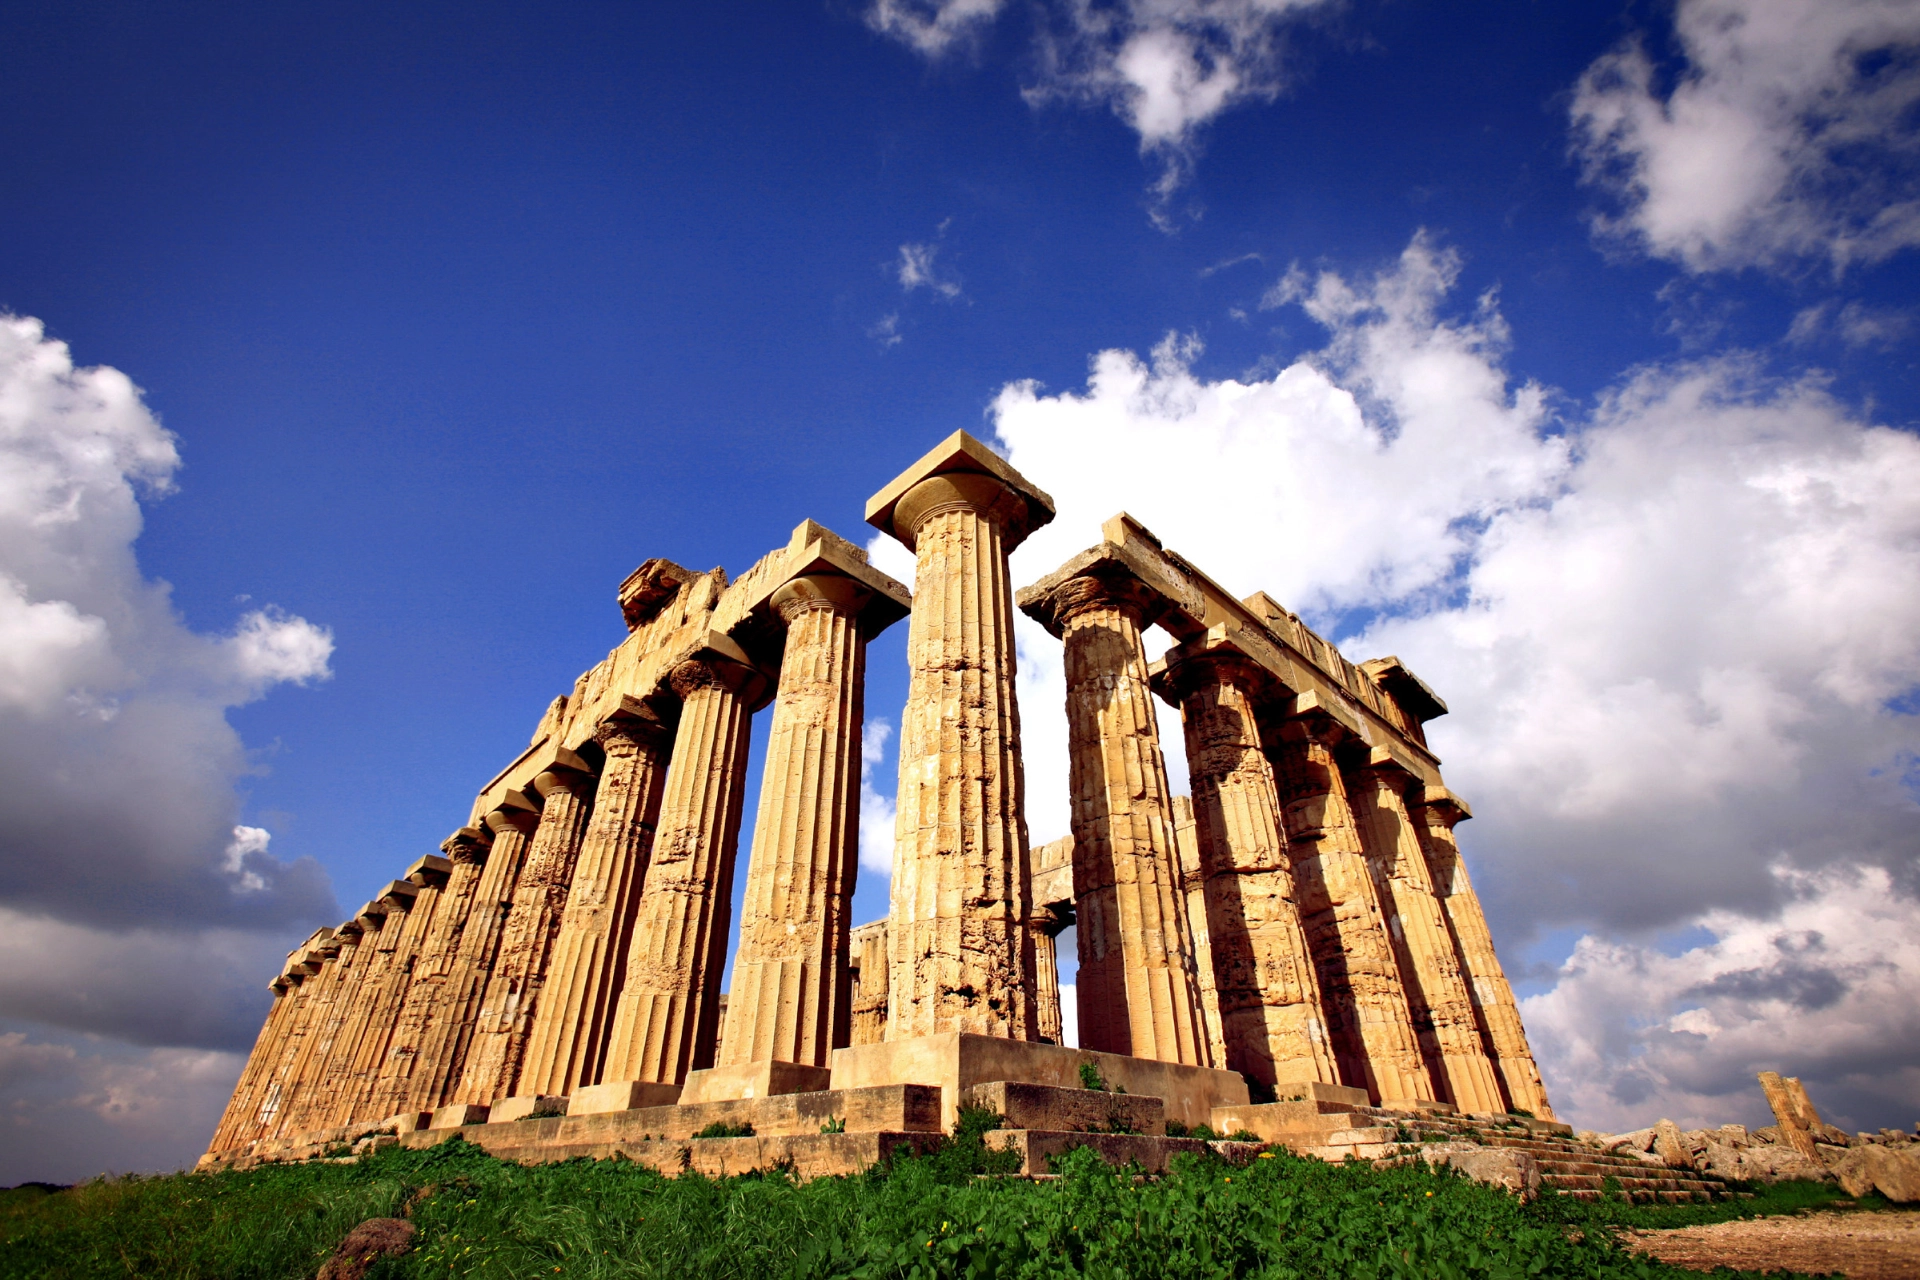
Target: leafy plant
[[721, 1129], [834, 1124], [1090, 1077]]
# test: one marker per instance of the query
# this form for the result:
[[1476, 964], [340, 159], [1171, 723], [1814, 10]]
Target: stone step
[[1041, 1106], [1152, 1153]]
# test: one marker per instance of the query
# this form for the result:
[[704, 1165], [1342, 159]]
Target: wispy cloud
[[916, 271]]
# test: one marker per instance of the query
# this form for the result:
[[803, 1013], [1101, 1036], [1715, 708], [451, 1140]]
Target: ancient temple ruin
[[1291, 952]]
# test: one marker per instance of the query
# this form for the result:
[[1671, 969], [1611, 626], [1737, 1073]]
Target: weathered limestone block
[[575, 1016], [1138, 993], [1346, 929], [506, 1013], [963, 957], [1193, 882], [1271, 1019], [1437, 996], [1516, 1172], [1440, 810], [1792, 1110], [427, 1052], [331, 984], [791, 998], [668, 1012], [265, 1048], [867, 948], [1892, 1171], [334, 1075]]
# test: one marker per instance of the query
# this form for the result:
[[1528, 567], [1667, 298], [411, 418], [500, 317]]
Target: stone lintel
[[956, 1061], [649, 589], [1404, 687], [429, 870], [959, 453], [1438, 797], [1334, 712], [752, 1080]]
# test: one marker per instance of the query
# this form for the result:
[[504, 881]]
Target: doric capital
[[468, 846], [819, 591], [1189, 668], [625, 736], [1441, 806], [960, 473], [548, 781], [429, 870], [1093, 592]]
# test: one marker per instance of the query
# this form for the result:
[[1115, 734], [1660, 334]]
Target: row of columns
[[579, 939], [1343, 944]]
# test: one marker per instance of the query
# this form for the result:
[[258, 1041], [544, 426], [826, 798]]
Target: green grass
[[1768, 1200], [942, 1214]]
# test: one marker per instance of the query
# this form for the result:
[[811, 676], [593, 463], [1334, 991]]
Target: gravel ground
[[1859, 1245]]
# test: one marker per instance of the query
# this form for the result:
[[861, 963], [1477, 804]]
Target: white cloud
[[1855, 324], [1629, 1030], [876, 807], [916, 271], [132, 906], [1788, 135], [1167, 68], [934, 27], [1669, 625], [886, 330]]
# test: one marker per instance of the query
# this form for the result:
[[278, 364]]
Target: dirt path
[[1861, 1246]]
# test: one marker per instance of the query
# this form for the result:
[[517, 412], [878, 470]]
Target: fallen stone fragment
[[1895, 1174], [1671, 1146], [1512, 1171], [366, 1244]]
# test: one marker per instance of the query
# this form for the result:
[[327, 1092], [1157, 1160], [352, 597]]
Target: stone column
[[962, 955], [428, 1052], [1271, 1019], [506, 1012], [1138, 993], [1193, 882], [869, 957], [589, 959], [1346, 927], [396, 946], [332, 1097], [1046, 971], [265, 1048], [668, 1013], [1437, 995], [308, 1050], [1486, 981], [791, 998]]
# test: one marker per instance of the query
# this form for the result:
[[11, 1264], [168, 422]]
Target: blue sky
[[1484, 333]]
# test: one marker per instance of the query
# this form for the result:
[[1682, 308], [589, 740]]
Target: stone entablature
[[1300, 928]]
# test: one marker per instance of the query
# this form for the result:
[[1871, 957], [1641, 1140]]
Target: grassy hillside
[[932, 1216]]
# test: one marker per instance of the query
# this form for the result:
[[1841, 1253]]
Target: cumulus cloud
[[1675, 626], [1167, 68], [1629, 1027], [135, 907], [1788, 135], [876, 807]]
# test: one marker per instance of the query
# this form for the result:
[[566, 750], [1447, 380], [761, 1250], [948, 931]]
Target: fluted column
[[430, 1038], [1346, 928], [667, 1017], [1437, 995], [589, 958], [505, 1017], [260, 1120], [309, 1050], [407, 921], [791, 998], [1271, 1018], [1193, 882], [259, 1064], [1046, 986], [963, 958], [869, 956], [1138, 993], [330, 1086], [1486, 981]]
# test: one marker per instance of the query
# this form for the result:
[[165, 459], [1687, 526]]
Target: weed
[[1176, 1130], [1090, 1077], [721, 1129], [834, 1124]]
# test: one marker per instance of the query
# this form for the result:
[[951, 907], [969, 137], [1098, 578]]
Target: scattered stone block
[[366, 1244]]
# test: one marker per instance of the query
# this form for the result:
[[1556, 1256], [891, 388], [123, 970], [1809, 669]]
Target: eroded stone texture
[[1346, 928], [331, 1075], [583, 979], [1271, 1017], [1136, 988], [428, 1049], [1193, 882], [1473, 942], [791, 997], [397, 947], [317, 995], [505, 1017], [963, 956], [668, 1013], [1792, 1109], [1436, 989], [265, 1051], [867, 948], [1046, 985]]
